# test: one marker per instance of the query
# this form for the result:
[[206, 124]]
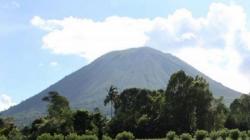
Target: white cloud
[[53, 64], [5, 102], [91, 39], [220, 64], [217, 44]]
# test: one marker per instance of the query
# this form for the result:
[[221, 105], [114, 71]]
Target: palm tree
[[111, 97]]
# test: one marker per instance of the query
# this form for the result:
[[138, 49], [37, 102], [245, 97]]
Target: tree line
[[186, 108]]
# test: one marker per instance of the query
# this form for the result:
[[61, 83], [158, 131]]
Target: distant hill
[[138, 67]]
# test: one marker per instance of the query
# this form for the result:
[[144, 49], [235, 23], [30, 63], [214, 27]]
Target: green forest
[[185, 110]]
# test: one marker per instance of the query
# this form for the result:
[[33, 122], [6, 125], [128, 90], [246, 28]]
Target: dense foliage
[[185, 110]]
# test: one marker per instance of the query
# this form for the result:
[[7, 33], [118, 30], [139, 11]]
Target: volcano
[[142, 67]]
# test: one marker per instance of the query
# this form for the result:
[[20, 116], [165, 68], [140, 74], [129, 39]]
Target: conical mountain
[[138, 67]]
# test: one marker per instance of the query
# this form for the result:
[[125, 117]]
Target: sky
[[43, 41]]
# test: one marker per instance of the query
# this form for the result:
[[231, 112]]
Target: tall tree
[[100, 122], [188, 99], [138, 111], [202, 102], [178, 103], [58, 106], [239, 116], [218, 114], [59, 119], [111, 97]]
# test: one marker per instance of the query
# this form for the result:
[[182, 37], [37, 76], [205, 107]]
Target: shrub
[[243, 135], [171, 135], [214, 135], [3, 138], [45, 136], [106, 137], [89, 132], [223, 134], [125, 136], [234, 134], [201, 134], [72, 136], [186, 136], [248, 133], [88, 137], [58, 137]]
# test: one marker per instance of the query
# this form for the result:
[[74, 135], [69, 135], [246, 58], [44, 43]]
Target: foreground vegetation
[[185, 110]]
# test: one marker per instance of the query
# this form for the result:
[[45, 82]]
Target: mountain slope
[[139, 67]]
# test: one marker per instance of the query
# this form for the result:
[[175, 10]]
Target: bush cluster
[[125, 136], [223, 134], [171, 135], [201, 134], [47, 136]]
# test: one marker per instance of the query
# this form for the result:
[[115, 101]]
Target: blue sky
[[31, 57]]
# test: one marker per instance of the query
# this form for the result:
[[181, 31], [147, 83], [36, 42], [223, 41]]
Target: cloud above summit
[[90, 39], [218, 44]]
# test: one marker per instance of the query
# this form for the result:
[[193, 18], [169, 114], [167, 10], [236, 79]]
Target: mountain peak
[[137, 55], [142, 49]]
